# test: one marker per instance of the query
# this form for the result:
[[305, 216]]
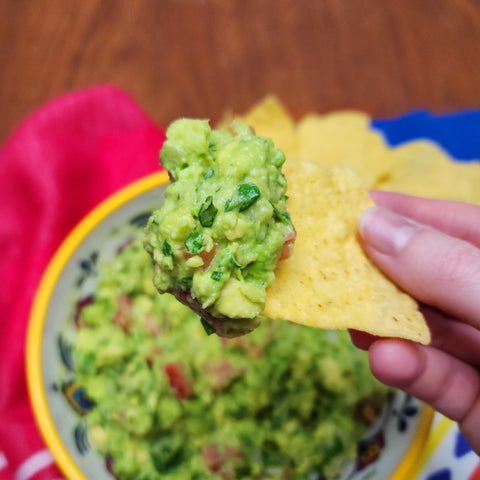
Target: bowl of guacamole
[[126, 383]]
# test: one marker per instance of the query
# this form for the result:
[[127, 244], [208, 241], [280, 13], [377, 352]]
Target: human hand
[[431, 249]]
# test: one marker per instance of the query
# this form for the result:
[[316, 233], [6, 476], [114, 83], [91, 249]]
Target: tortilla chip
[[329, 282], [344, 139], [269, 118], [424, 169]]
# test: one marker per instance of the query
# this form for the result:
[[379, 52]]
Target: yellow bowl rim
[[37, 320], [38, 312]]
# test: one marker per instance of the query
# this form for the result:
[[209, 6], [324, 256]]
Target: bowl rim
[[36, 324], [40, 304]]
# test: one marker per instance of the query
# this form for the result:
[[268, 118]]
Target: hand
[[431, 249]]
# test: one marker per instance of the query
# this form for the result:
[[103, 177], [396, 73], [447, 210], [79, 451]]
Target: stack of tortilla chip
[[332, 162]]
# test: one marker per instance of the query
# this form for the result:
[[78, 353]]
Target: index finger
[[459, 219], [434, 267]]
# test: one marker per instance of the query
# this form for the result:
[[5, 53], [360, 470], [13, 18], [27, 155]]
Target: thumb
[[436, 268]]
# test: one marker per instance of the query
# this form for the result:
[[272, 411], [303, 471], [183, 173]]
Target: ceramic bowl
[[390, 449]]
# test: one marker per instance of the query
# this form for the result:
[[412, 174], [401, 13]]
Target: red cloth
[[475, 474], [62, 161]]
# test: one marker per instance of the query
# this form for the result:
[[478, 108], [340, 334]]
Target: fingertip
[[395, 362], [376, 195], [365, 219], [385, 231], [392, 200]]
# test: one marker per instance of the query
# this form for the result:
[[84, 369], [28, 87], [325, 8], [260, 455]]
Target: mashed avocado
[[224, 224], [174, 403]]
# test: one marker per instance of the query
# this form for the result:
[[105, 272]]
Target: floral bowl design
[[389, 450]]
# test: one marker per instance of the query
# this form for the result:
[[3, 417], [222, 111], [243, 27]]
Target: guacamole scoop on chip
[[224, 225]]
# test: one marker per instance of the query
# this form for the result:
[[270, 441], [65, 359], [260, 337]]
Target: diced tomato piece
[[152, 325], [207, 257], [220, 374], [222, 462], [109, 467], [177, 379], [287, 248], [123, 315], [212, 457], [81, 304]]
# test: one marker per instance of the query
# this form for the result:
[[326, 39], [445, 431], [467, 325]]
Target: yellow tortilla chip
[[329, 282], [424, 169], [269, 118], [344, 139]]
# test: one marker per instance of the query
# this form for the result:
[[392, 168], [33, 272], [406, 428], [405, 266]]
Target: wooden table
[[200, 57]]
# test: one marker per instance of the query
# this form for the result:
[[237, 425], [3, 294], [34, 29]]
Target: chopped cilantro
[[216, 276], [207, 212], [208, 174], [186, 282], [247, 194], [212, 148], [208, 328], [155, 218], [235, 263], [280, 216], [194, 242], [166, 249]]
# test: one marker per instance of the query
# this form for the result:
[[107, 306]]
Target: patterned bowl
[[389, 450]]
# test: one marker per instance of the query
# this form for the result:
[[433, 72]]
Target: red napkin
[[62, 161]]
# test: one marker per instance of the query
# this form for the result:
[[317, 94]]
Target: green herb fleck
[[207, 212], [186, 282], [166, 249], [235, 263], [212, 148], [208, 328], [216, 276], [247, 194], [194, 242], [166, 454], [280, 216], [155, 218], [208, 174]]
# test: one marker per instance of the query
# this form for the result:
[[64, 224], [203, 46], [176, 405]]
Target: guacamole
[[171, 402], [223, 226]]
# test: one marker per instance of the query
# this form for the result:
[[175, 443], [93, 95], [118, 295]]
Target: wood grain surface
[[200, 57]]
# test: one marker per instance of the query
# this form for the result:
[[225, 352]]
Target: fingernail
[[385, 230]]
